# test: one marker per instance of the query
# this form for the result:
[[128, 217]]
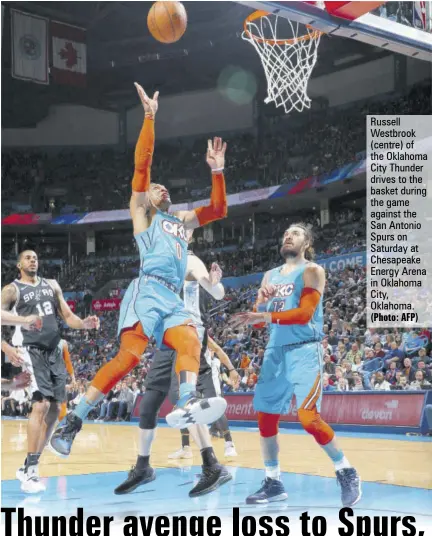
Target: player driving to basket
[[154, 298]]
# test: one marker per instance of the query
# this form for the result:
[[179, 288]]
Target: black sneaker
[[350, 484], [272, 490], [62, 439], [211, 478], [135, 479]]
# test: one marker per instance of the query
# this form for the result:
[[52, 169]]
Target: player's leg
[[185, 452], [222, 423], [272, 397], [307, 377], [133, 343], [213, 473], [183, 339], [157, 386], [63, 411], [37, 363], [48, 423], [28, 474]]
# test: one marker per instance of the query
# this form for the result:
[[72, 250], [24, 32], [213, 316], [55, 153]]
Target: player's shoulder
[[314, 269], [51, 283], [10, 289]]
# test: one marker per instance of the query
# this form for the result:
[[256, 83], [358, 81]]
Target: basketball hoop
[[288, 63]]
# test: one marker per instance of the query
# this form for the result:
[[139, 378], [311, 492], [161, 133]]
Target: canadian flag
[[69, 51]]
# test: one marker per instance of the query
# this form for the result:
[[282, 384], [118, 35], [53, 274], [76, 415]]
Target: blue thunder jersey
[[288, 292], [163, 249]]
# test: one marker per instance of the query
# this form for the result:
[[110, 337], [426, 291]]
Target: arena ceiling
[[121, 50]]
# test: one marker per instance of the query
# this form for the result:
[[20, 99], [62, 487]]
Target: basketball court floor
[[395, 471]]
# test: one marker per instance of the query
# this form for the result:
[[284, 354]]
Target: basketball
[[167, 21]]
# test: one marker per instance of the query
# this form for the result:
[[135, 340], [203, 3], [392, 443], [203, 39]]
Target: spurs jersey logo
[[175, 229], [282, 291], [38, 294]]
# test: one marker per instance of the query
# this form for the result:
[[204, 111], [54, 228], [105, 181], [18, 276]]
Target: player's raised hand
[[216, 153], [33, 323], [91, 322], [150, 105], [215, 274], [265, 293]]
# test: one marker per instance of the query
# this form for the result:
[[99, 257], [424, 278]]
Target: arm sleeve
[[217, 209], [67, 360], [309, 301], [144, 156]]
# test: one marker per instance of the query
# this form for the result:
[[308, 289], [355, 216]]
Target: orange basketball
[[167, 21]]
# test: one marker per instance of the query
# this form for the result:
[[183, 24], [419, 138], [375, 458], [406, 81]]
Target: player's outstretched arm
[[218, 207], [209, 281], [225, 360], [31, 322], [140, 200], [71, 319]]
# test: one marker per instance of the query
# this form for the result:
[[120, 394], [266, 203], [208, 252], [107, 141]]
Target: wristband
[[217, 170]]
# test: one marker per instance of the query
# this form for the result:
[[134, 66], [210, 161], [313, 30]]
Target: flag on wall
[[29, 47], [69, 50], [419, 13]]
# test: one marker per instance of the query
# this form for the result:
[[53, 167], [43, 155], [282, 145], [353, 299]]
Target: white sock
[[343, 464], [273, 472]]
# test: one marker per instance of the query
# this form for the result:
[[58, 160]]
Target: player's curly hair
[[309, 252]]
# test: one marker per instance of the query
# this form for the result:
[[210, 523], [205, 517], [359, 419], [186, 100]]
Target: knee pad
[[313, 424], [268, 424], [150, 405]]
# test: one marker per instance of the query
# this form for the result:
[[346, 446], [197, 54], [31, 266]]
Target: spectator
[[408, 370], [380, 383]]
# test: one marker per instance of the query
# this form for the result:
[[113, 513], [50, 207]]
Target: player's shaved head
[[24, 253], [28, 263]]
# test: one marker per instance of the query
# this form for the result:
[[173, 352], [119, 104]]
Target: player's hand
[[73, 383], [33, 323], [216, 153], [15, 355], [235, 379], [150, 105], [265, 294], [249, 319], [91, 322], [21, 381], [215, 274]]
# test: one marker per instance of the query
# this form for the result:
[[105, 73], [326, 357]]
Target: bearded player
[[154, 298], [34, 297], [291, 296]]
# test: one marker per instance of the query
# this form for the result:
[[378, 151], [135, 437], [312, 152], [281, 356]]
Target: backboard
[[410, 36]]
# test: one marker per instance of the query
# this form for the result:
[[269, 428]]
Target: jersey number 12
[[47, 309]]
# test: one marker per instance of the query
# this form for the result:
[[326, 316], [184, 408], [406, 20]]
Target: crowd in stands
[[282, 152], [236, 256], [355, 358]]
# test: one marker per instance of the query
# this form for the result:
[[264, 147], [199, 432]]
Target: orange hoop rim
[[259, 14]]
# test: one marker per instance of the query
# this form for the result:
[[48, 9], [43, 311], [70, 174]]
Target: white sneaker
[[32, 483], [20, 474], [230, 451], [183, 453], [197, 411]]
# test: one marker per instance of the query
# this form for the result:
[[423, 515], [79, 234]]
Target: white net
[[288, 63]]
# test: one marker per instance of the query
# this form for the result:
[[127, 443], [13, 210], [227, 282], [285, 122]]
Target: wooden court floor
[[105, 448]]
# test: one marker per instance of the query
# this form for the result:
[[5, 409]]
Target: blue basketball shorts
[[288, 371], [155, 306]]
